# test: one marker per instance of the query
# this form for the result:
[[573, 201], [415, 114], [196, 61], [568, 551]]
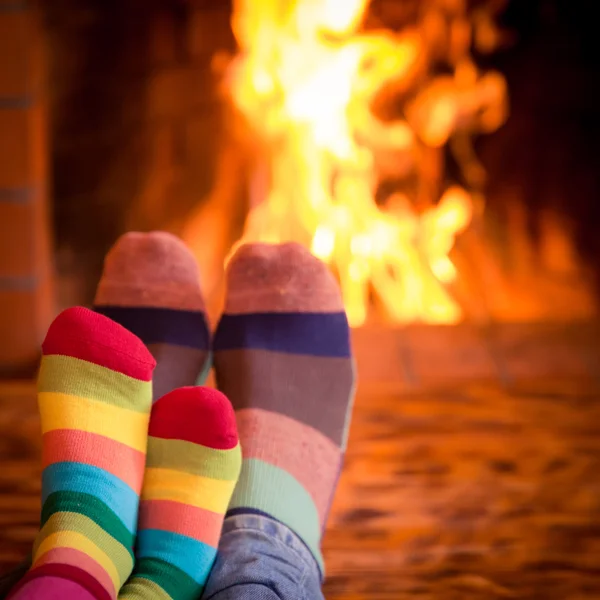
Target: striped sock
[[150, 285], [193, 464], [282, 355], [95, 394]]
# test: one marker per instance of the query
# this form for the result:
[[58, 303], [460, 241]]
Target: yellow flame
[[306, 79]]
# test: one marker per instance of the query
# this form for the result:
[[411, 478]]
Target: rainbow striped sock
[[95, 394], [283, 357], [151, 286], [193, 464]]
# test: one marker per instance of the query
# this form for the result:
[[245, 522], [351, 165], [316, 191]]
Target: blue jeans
[[261, 559]]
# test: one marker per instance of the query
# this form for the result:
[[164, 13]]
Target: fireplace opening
[[432, 153]]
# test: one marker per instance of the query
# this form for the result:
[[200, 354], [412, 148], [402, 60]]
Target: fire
[[306, 80]]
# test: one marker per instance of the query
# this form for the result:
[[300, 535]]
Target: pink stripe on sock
[[280, 278], [52, 588], [200, 524], [178, 297], [65, 445], [299, 449], [75, 558], [153, 269]]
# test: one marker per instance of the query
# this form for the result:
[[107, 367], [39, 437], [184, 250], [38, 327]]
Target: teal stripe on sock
[[191, 556], [79, 477], [275, 492], [203, 375]]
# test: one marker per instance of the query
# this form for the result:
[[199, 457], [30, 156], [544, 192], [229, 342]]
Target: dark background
[[549, 149]]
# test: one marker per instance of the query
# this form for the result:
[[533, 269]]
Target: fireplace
[[362, 129], [364, 121], [450, 180]]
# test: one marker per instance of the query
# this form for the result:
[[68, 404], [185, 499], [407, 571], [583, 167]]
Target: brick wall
[[25, 264], [135, 117]]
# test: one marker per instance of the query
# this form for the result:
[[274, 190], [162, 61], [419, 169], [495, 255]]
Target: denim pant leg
[[261, 559]]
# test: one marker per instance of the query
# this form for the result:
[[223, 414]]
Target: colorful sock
[[282, 355], [95, 395], [150, 285], [193, 463]]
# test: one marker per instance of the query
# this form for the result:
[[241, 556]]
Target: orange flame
[[306, 79]]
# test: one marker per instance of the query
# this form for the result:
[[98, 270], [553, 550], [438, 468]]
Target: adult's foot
[[283, 357], [151, 286]]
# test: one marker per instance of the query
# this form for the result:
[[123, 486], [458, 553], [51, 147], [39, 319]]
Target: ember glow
[[307, 79]]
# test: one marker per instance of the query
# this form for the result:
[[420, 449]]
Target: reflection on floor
[[471, 473]]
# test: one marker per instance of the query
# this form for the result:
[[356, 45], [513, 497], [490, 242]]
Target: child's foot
[[282, 355], [150, 285], [95, 394], [193, 464]]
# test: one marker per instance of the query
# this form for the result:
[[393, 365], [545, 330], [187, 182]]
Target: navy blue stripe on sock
[[312, 334], [249, 511], [162, 325]]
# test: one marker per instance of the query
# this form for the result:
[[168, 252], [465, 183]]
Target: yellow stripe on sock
[[82, 525], [195, 490], [62, 411], [71, 539], [138, 588]]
